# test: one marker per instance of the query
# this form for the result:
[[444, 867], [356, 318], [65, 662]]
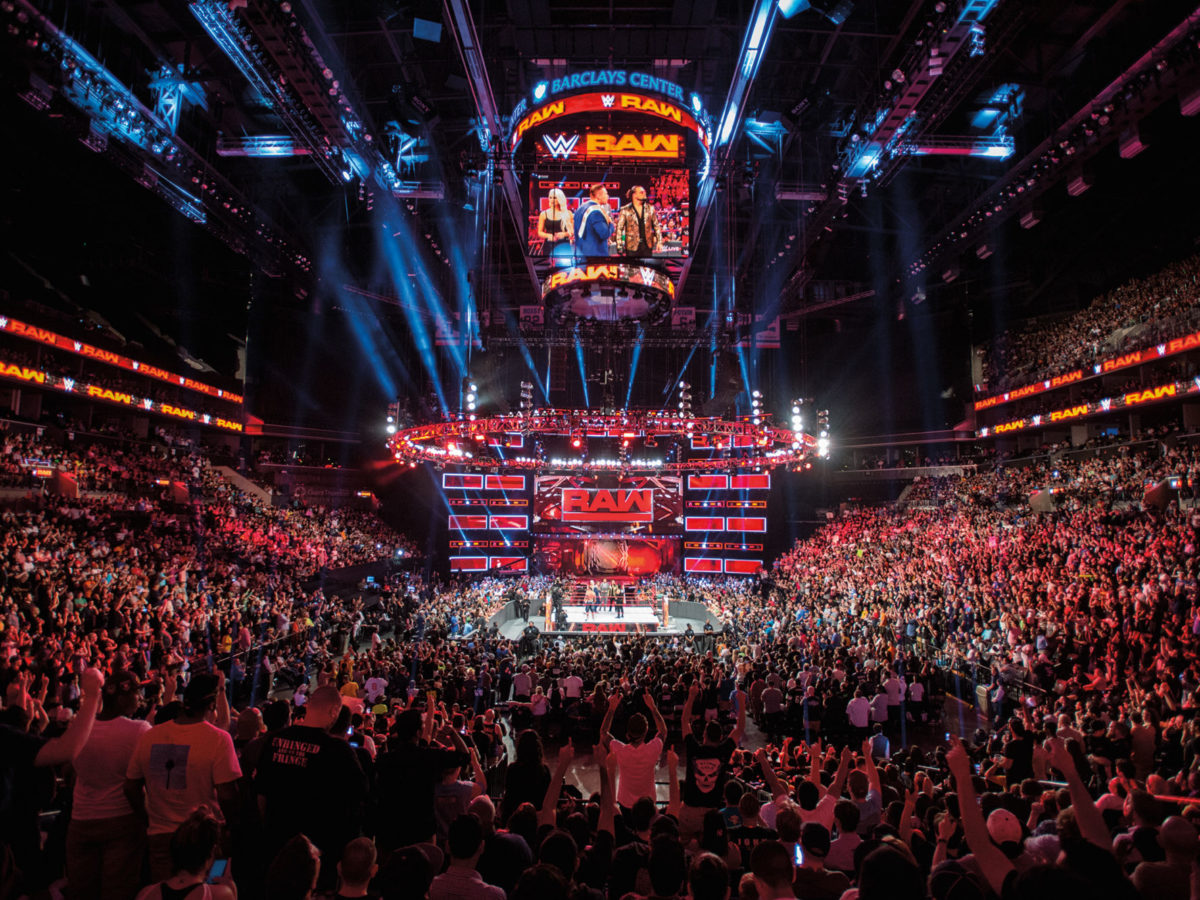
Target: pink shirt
[[100, 769]]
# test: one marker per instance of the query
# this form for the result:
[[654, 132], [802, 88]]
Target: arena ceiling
[[800, 225]]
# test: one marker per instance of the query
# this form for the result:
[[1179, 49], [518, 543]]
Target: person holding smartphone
[[196, 872]]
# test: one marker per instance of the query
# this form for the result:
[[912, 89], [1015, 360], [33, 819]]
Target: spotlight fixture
[[685, 400], [756, 407]]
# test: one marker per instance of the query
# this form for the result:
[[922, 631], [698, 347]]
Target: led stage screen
[[606, 556], [552, 231], [582, 504]]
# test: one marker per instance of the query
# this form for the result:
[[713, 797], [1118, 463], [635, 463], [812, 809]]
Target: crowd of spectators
[[1135, 315], [228, 724]]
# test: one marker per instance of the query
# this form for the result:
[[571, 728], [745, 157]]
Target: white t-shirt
[[101, 766], [636, 765], [858, 711], [916, 692], [572, 687], [879, 705]]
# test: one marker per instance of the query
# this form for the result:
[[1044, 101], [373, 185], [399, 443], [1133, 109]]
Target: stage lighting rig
[[823, 433], [756, 407], [393, 416]]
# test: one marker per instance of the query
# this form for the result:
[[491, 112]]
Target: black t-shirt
[[21, 790], [313, 784], [1020, 751], [707, 772], [407, 776]]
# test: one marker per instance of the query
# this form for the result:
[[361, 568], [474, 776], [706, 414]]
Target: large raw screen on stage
[[606, 556], [583, 504]]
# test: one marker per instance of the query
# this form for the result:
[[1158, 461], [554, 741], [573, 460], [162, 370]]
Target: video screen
[[606, 556], [583, 504], [648, 215]]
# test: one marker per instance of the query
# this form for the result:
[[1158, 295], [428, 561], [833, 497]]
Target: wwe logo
[[68, 384], [1106, 403], [608, 100], [148, 403], [1162, 349], [560, 147], [3, 322], [78, 346]]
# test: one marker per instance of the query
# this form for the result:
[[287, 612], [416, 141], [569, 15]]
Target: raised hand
[[957, 759], [565, 754], [946, 826], [91, 682]]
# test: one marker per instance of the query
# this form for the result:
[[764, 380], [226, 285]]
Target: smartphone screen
[[799, 857], [217, 872]]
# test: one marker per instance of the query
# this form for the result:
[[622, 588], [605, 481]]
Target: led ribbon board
[[614, 273], [27, 375], [1135, 358], [614, 102], [57, 341], [1107, 405]]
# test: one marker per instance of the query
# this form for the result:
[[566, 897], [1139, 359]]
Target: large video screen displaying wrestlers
[[606, 556], [586, 504], [593, 211]]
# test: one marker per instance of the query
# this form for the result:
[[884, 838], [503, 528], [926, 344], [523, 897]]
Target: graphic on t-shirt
[[169, 763], [706, 771]]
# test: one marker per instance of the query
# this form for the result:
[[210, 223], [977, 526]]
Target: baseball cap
[[200, 691], [814, 837], [1004, 827]]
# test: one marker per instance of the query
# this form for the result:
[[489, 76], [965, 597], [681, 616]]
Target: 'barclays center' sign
[[608, 78]]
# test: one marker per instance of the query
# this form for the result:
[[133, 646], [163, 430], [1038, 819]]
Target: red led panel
[[509, 440], [468, 563], [509, 563], [503, 523], [742, 566], [708, 482], [505, 483], [462, 482], [751, 523], [704, 523], [750, 482], [468, 523], [702, 565]]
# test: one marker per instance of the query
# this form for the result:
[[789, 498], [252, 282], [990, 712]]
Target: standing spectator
[[22, 754], [858, 711], [707, 763], [106, 840], [181, 764], [637, 759], [309, 781]]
